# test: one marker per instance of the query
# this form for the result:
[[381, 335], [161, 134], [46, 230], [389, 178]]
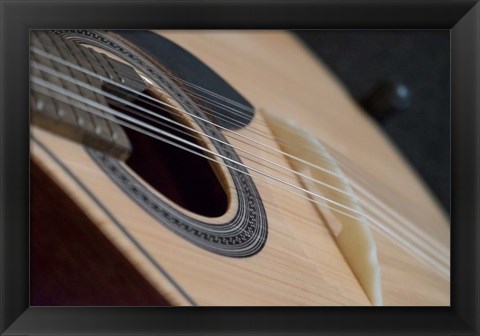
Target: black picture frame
[[18, 16]]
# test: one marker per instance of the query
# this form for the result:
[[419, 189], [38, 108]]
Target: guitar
[[217, 168]]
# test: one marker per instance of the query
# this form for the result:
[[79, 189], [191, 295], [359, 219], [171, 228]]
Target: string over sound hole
[[187, 179]]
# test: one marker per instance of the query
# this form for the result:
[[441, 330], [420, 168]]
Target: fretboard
[[71, 88]]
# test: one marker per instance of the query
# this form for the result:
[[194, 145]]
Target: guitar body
[[296, 261]]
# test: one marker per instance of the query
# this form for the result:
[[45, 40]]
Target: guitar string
[[320, 182], [64, 77], [114, 97], [58, 89], [393, 214], [39, 81], [438, 267], [88, 72], [110, 95]]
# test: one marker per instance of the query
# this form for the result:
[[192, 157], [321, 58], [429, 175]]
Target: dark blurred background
[[375, 65]]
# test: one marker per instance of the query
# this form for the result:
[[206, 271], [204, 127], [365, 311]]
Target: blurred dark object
[[420, 60], [386, 100]]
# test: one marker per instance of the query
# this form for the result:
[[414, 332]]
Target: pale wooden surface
[[274, 71], [271, 71]]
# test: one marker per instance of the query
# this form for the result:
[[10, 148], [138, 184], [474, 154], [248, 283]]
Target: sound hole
[[185, 178]]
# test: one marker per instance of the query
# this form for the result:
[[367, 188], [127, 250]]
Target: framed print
[[200, 155]]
